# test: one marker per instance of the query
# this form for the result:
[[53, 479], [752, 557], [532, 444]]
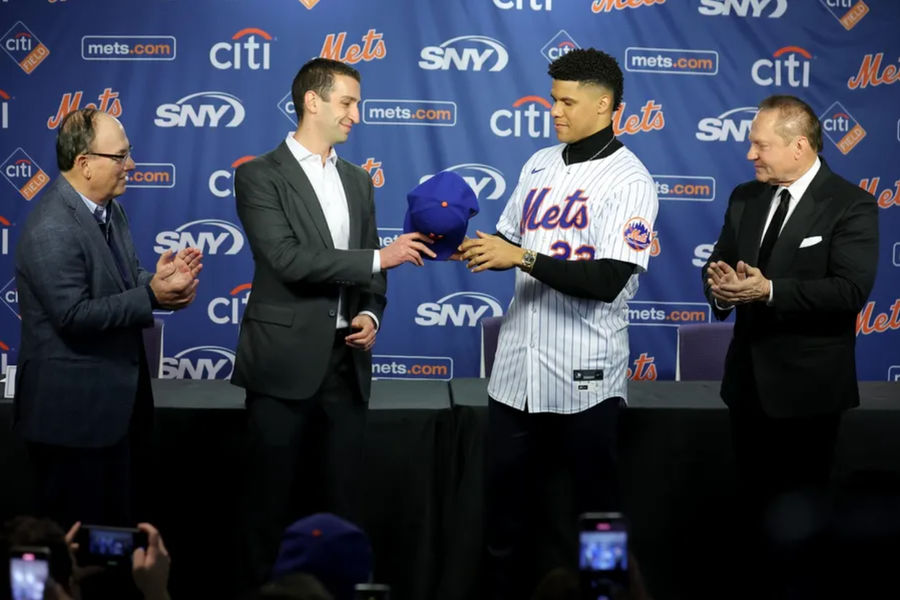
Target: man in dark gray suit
[[319, 286], [83, 401]]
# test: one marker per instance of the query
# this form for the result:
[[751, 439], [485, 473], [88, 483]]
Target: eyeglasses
[[119, 158]]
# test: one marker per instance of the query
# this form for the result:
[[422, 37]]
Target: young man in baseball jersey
[[578, 227]]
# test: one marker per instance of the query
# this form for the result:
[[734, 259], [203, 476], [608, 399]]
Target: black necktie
[[765, 250]]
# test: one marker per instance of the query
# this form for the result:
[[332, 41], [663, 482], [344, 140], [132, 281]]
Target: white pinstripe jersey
[[602, 208]]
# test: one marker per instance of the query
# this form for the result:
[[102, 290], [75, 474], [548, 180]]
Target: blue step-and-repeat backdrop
[[203, 85]]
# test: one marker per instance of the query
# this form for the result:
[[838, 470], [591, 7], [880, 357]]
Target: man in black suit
[[319, 286], [83, 400], [796, 260]]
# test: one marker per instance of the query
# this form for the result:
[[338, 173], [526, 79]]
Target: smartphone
[[602, 554], [108, 546], [29, 567], [372, 591]]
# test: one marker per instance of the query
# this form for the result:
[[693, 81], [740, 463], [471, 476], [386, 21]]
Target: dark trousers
[[304, 456], [518, 442]]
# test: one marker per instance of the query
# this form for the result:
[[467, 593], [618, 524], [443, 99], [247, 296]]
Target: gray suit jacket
[[81, 342], [288, 327]]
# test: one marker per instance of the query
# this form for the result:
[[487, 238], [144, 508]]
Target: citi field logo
[[4, 109], [108, 102], [465, 53], [644, 368], [530, 117], [5, 226], [637, 234], [734, 124], [559, 45], [743, 8], [152, 175], [869, 322], [605, 6], [128, 47], [24, 174], [389, 366], [248, 48], [847, 12], [375, 171], [535, 5], [9, 296], [199, 362], [777, 71], [202, 109], [221, 182], [229, 310], [460, 309], [23, 47], [887, 197], [685, 187], [210, 236], [388, 235], [486, 181], [372, 48], [841, 128], [286, 107], [868, 73]]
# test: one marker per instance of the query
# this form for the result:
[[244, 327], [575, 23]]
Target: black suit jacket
[[288, 326], [81, 344], [799, 354]]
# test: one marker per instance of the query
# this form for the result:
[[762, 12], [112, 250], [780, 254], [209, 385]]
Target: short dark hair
[[318, 75], [75, 136], [588, 65], [294, 586], [30, 531], [795, 117]]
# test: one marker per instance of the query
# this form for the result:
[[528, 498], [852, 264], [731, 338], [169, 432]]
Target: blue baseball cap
[[440, 207]]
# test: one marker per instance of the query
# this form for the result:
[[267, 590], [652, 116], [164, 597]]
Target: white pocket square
[[810, 241]]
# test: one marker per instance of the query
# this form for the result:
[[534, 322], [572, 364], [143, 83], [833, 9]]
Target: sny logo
[[209, 113], [199, 362], [841, 128], [233, 306], [857, 9], [868, 73], [742, 8], [559, 45], [24, 174], [479, 177], [718, 129], [71, 101], [461, 309], [216, 187], [228, 55], [598, 6], [769, 72], [457, 52], [372, 48], [208, 242], [546, 5], [23, 47]]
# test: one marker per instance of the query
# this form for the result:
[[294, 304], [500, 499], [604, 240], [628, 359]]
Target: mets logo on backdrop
[[638, 234], [598, 6], [841, 128], [847, 12], [24, 174], [23, 47], [372, 47], [868, 73]]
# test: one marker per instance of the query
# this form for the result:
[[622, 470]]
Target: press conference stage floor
[[424, 450]]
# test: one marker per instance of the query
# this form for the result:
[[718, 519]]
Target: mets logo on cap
[[637, 234]]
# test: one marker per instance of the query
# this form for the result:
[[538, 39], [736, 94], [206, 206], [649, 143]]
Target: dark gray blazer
[[78, 364], [288, 327]]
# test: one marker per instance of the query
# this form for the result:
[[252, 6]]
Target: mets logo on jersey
[[638, 234]]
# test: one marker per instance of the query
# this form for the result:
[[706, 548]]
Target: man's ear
[[310, 101]]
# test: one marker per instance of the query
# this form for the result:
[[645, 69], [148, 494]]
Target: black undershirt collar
[[584, 149]]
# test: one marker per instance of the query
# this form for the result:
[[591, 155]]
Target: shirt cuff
[[371, 314], [376, 264], [771, 299], [720, 307]]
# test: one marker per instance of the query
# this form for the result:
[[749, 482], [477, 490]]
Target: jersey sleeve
[[625, 224]]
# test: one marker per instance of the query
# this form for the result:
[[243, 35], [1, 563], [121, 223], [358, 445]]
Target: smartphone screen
[[28, 572], [111, 546], [603, 554]]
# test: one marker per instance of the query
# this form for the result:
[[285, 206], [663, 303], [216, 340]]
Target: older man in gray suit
[[83, 401]]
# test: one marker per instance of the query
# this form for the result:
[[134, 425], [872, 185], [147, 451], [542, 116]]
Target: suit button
[[332, 313]]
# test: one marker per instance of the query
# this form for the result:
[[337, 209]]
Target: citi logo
[[4, 235], [202, 109], [537, 5], [23, 47], [24, 174], [372, 48], [458, 53], [598, 6], [486, 181], [9, 296], [244, 48], [108, 102], [841, 128], [220, 182], [526, 112], [734, 124], [228, 310], [461, 309], [4, 110], [199, 362], [743, 8], [559, 45], [210, 236], [789, 70], [839, 122], [855, 11]]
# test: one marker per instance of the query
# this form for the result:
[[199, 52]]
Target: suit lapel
[[754, 218], [296, 178], [354, 204], [117, 240], [89, 225]]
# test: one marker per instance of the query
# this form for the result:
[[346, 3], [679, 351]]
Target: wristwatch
[[528, 260]]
